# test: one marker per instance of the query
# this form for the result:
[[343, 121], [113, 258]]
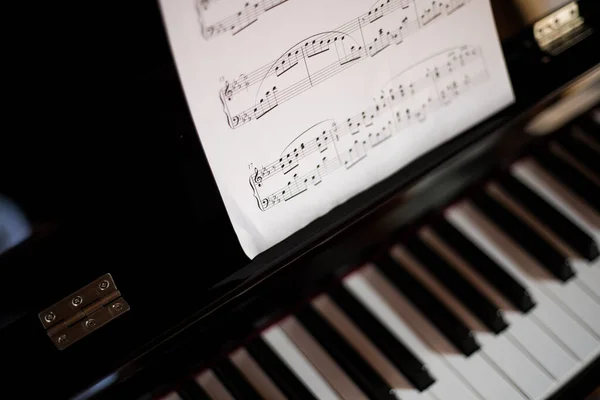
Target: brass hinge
[[83, 312], [560, 30]]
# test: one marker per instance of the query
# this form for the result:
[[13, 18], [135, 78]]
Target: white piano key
[[476, 369], [297, 362], [255, 375], [589, 275], [566, 329], [403, 389], [448, 384], [213, 386], [319, 358], [549, 311], [514, 366], [579, 302], [556, 194], [517, 365], [548, 351], [586, 278], [529, 337], [476, 372], [573, 293]]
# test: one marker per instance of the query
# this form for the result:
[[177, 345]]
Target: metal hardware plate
[[83, 312], [561, 29]]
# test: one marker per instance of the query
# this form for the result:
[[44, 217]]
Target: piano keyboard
[[497, 299]]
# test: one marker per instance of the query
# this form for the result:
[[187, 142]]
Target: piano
[[473, 273]]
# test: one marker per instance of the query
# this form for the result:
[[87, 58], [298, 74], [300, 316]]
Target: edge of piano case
[[165, 355]]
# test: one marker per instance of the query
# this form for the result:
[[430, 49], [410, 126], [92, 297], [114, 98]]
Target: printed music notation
[[409, 98], [317, 58], [235, 23]]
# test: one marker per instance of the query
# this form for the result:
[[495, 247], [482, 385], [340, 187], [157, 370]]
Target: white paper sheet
[[302, 104]]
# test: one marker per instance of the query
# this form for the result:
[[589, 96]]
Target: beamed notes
[[246, 13], [302, 104], [409, 98], [324, 55]]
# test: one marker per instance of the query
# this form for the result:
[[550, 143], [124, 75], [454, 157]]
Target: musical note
[[356, 153], [326, 54], [375, 139], [432, 12], [266, 104], [291, 60], [380, 43], [409, 98], [453, 5], [236, 22]]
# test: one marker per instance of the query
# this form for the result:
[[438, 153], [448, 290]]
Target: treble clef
[[208, 31], [228, 91], [258, 177], [225, 96]]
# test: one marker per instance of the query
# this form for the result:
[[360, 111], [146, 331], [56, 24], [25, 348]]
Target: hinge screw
[[118, 307], [104, 285], [77, 301], [63, 339], [50, 317], [91, 323]]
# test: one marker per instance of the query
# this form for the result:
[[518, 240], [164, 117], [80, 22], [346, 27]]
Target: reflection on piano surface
[[496, 297]]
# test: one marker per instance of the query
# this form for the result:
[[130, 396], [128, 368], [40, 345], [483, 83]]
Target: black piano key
[[495, 275], [390, 346], [234, 381], [191, 390], [571, 177], [278, 371], [562, 227], [476, 302], [357, 369], [434, 310], [590, 126], [587, 156], [588, 140], [558, 264]]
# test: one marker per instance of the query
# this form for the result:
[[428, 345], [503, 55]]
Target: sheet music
[[302, 104]]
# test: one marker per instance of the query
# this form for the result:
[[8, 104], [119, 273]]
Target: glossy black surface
[[190, 390], [390, 346], [582, 152], [571, 177], [346, 357], [549, 257], [444, 319], [510, 288], [560, 225], [234, 381], [278, 371], [458, 285], [111, 173]]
